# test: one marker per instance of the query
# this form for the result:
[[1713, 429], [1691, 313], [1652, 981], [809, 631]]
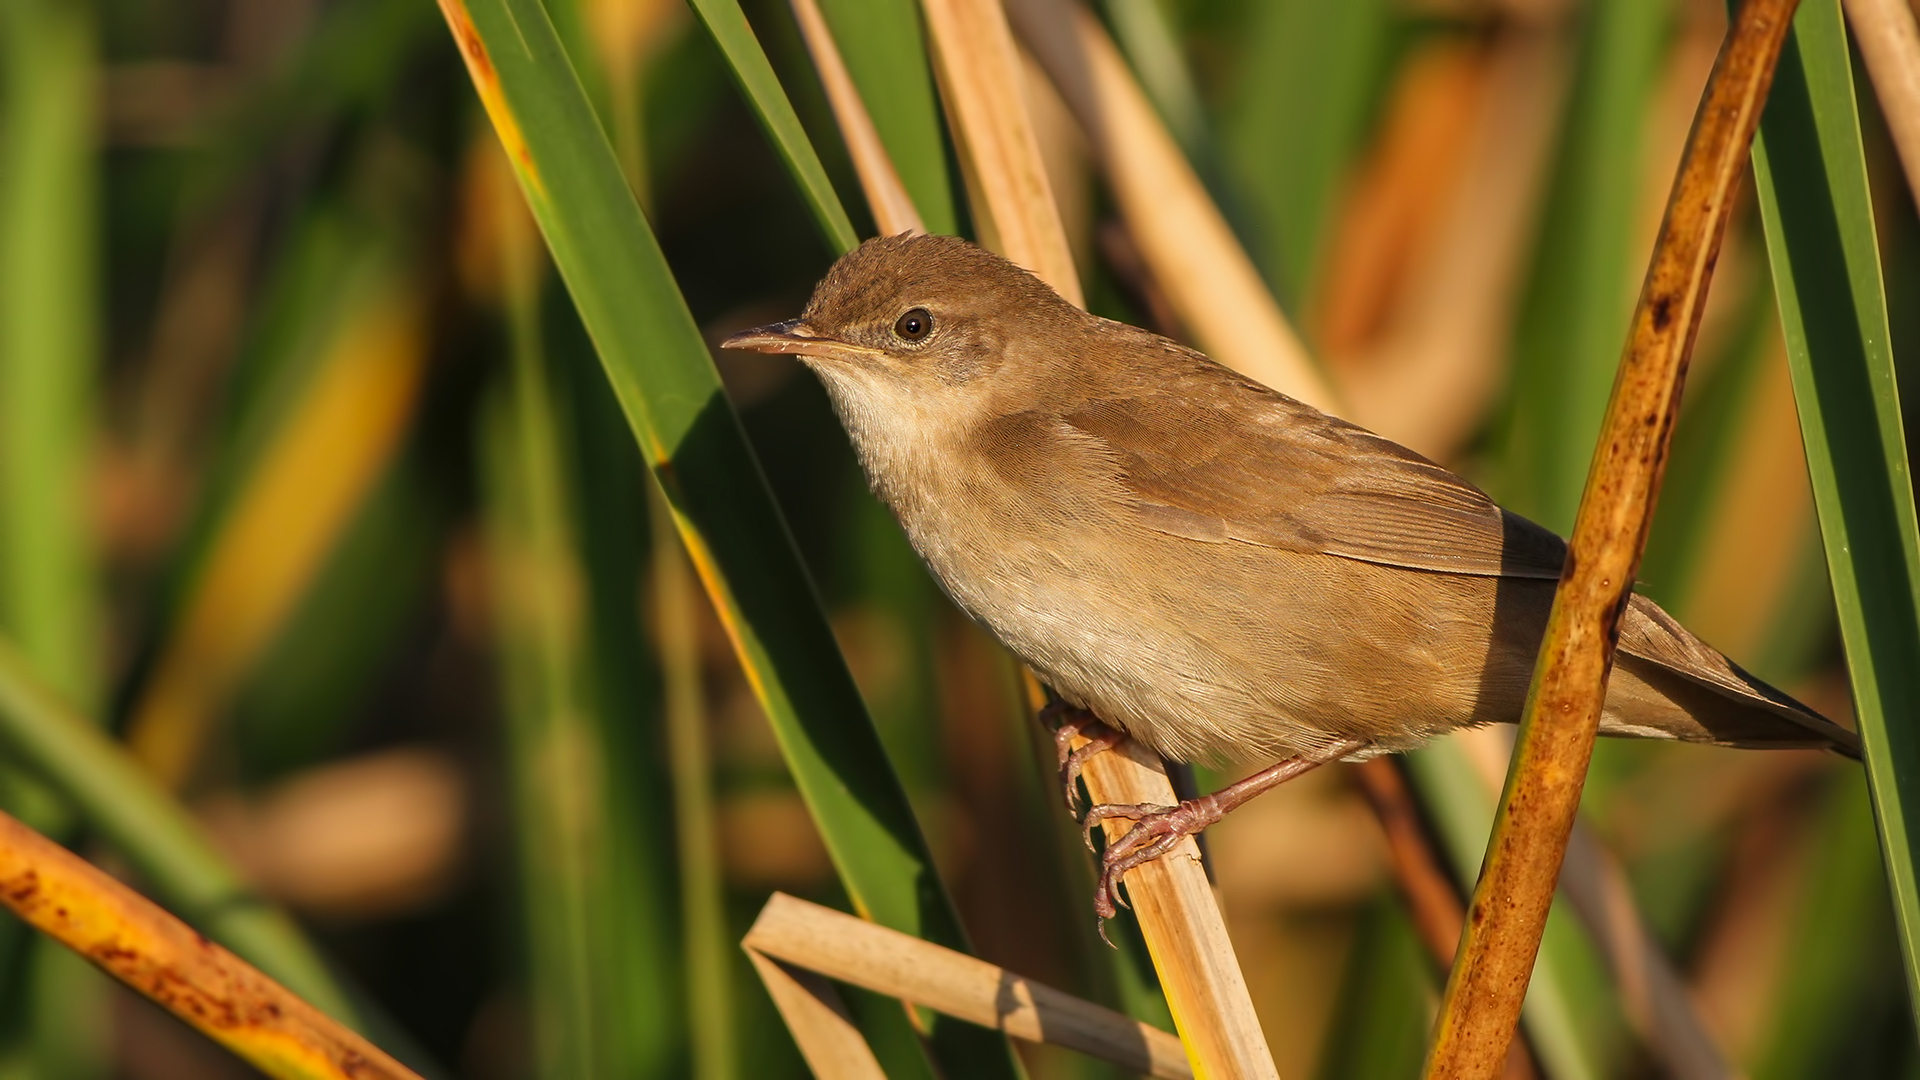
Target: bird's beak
[[793, 337]]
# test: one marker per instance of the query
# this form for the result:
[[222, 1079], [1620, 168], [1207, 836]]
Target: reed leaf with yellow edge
[[666, 383], [1510, 903]]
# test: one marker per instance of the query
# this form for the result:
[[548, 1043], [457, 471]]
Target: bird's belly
[[1210, 651]]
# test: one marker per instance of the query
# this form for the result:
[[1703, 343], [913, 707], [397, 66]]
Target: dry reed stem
[[1432, 900], [1653, 994], [1207, 275], [1510, 903], [887, 197], [134, 940], [818, 1020], [1890, 44], [852, 950], [1185, 932], [980, 85], [1179, 916]]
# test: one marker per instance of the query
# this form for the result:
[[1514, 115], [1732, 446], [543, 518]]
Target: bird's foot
[[1156, 831], [1068, 722]]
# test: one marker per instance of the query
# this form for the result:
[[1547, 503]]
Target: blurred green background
[[313, 492]]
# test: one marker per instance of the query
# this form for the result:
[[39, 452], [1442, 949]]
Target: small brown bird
[[1210, 566]]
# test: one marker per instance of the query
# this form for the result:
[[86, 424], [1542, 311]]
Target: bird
[[1199, 562]]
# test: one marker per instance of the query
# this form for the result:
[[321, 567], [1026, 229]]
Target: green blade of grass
[[1379, 1027], [649, 960], [628, 546], [565, 539], [47, 346], [1816, 208], [666, 383], [731, 32], [570, 785], [708, 947], [49, 597]]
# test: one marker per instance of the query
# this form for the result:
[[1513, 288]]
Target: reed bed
[[397, 587]]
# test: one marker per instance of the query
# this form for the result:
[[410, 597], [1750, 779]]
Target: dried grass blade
[[852, 950], [1889, 42], [1206, 273], [1178, 914], [887, 197], [980, 81], [817, 1019], [1510, 903]]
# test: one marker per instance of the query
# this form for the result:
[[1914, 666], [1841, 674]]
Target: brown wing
[[1255, 466]]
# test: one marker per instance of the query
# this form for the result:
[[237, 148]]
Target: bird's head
[[921, 314]]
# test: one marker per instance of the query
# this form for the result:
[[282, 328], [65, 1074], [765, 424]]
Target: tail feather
[[1668, 683]]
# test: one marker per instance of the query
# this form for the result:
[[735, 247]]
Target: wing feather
[[1264, 469]]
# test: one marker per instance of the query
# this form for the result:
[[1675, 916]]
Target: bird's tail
[[1669, 684]]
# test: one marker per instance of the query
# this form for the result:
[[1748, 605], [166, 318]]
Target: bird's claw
[[1138, 812], [1069, 722], [1156, 831]]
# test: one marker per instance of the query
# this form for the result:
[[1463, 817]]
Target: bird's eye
[[914, 325]]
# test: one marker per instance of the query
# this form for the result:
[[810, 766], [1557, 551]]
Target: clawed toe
[[1156, 831], [1143, 813], [1069, 722]]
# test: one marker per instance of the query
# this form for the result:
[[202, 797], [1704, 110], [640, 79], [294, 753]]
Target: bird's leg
[[1068, 721], [1158, 828]]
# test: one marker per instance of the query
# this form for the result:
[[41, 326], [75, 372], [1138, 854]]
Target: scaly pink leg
[[1158, 828]]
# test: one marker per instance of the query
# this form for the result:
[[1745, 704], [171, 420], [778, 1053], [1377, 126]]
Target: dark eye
[[914, 325]]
